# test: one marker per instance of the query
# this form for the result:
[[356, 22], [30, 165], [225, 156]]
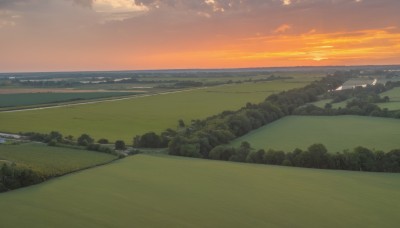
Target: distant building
[[2, 141]]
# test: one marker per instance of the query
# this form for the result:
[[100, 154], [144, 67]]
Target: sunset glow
[[153, 34]]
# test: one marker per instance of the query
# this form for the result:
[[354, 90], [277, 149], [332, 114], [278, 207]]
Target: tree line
[[55, 138], [361, 101], [316, 156], [13, 177], [199, 137], [208, 138]]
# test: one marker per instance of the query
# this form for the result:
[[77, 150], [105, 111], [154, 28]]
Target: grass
[[13, 100], [127, 118], [51, 161], [391, 106], [322, 103], [335, 132], [394, 96], [162, 191]]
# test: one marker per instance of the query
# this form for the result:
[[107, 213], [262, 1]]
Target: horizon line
[[222, 69]]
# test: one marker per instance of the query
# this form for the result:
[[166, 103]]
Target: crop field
[[51, 160], [162, 191], [12, 100], [127, 118], [335, 132]]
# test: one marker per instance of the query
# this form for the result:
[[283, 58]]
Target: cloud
[[117, 6], [86, 3], [118, 10], [8, 18], [195, 33], [359, 45], [283, 28]]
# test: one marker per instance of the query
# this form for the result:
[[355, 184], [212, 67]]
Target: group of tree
[[206, 138], [55, 138], [316, 156], [199, 137], [361, 101], [13, 177]]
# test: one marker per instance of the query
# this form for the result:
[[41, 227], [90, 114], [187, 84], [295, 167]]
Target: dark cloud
[[12, 3], [4, 4]]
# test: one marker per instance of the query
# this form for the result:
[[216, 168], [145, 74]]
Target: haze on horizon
[[70, 35]]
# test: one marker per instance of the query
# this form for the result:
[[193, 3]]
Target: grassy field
[[335, 132], [394, 95], [51, 161], [12, 100], [322, 103], [150, 191], [127, 118]]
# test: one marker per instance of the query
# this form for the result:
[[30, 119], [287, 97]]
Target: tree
[[274, 157], [255, 156], [328, 105], [365, 158], [148, 140], [103, 141], [85, 140], [222, 153], [55, 136], [318, 156], [242, 153], [120, 145], [181, 123]]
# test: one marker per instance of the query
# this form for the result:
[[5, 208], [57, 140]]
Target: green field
[[335, 132], [394, 96], [13, 100], [127, 118], [150, 191], [51, 161], [322, 103]]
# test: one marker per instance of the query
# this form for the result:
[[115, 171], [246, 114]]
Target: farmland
[[127, 118], [12, 100], [335, 132], [150, 191], [51, 161], [394, 96]]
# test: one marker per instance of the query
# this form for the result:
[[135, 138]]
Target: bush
[[120, 145], [103, 141], [85, 140]]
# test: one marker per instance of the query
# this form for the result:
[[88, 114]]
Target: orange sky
[[64, 35]]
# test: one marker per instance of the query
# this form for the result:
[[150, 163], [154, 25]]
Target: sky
[[79, 35]]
